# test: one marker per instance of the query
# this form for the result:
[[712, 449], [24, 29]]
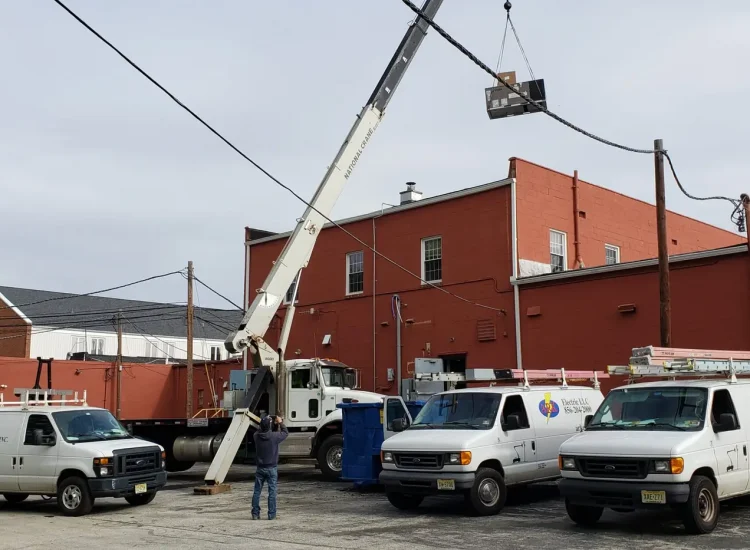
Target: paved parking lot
[[315, 514]]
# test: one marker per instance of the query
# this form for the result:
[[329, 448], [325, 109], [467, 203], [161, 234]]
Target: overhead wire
[[219, 294], [263, 170]]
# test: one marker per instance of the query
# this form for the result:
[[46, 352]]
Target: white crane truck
[[305, 391]]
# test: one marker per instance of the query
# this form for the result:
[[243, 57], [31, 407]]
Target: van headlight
[[463, 458], [566, 463], [386, 456], [104, 467], [673, 465]]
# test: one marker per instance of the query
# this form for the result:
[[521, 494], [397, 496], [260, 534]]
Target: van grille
[[136, 461], [624, 468], [419, 461]]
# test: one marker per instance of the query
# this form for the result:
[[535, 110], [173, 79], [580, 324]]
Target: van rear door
[[10, 430]]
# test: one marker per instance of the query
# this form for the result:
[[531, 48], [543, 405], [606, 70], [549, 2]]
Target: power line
[[69, 296], [217, 293], [265, 172], [85, 313], [455, 43], [168, 344]]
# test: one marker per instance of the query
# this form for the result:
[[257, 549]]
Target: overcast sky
[[104, 180]]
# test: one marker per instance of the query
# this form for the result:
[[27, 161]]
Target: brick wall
[[15, 333], [545, 201]]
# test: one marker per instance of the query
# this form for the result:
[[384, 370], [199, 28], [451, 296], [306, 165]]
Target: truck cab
[[477, 442], [76, 453]]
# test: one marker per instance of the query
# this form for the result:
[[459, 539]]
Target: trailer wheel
[[330, 457], [585, 516], [140, 500], [177, 466], [404, 502], [73, 497]]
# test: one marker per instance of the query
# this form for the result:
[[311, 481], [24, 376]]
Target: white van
[[682, 444], [478, 441], [76, 453]]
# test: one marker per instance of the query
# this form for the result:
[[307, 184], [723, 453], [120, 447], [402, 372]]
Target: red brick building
[[493, 245]]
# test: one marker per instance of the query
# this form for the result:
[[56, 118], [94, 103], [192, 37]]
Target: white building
[[64, 326]]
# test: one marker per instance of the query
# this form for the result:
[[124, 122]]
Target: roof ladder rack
[[505, 375], [39, 397]]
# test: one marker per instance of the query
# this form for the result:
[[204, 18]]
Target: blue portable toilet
[[363, 438]]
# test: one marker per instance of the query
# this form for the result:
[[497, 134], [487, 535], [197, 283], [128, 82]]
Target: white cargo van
[[477, 442], [77, 453], [682, 444]]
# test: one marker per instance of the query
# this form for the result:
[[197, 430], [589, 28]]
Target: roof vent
[[411, 194]]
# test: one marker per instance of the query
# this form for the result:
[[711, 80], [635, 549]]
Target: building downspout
[[576, 215], [514, 276]]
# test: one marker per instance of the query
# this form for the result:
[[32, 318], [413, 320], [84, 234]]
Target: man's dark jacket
[[267, 443]]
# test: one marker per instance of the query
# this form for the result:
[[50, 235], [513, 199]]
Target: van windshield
[[459, 411], [89, 425], [660, 409]]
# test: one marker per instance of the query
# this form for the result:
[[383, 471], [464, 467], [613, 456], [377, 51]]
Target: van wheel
[[404, 502], [586, 516], [487, 496], [15, 498], [700, 513], [330, 457], [140, 500], [73, 497]]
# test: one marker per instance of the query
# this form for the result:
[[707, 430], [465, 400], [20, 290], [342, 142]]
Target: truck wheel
[[177, 466], [404, 502], [487, 496], [15, 498], [140, 500], [73, 497], [700, 513], [586, 516], [330, 457]]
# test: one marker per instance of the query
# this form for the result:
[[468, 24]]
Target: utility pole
[[189, 405], [118, 410], [665, 301]]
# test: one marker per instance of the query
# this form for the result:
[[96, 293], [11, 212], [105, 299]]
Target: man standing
[[266, 460]]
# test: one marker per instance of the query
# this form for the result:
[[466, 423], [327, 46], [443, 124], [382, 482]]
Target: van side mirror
[[587, 420], [727, 423], [399, 425], [43, 441], [512, 422]]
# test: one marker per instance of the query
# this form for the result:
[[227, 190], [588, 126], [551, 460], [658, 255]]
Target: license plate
[[653, 497], [446, 485], [141, 488]]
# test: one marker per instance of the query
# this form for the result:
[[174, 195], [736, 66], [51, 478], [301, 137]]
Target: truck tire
[[177, 466], [585, 516], [487, 496], [700, 513], [330, 457], [73, 497], [404, 502], [140, 500], [15, 498]]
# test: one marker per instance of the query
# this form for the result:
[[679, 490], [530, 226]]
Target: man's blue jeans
[[262, 476]]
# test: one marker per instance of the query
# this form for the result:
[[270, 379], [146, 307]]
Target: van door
[[729, 447], [10, 431], [304, 395], [38, 457], [516, 441], [557, 415], [394, 408]]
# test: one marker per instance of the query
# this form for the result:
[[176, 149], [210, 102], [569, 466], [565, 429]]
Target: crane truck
[[304, 391]]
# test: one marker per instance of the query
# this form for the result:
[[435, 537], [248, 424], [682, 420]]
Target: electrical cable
[[69, 296], [166, 353], [217, 293], [263, 170]]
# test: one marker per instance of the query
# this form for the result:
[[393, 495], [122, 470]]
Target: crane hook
[[507, 6]]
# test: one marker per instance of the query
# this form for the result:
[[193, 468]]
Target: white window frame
[[218, 353], [424, 271], [286, 300], [612, 248], [564, 249], [79, 344], [349, 272], [102, 341], [153, 350]]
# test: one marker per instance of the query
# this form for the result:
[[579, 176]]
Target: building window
[[97, 346], [558, 251], [215, 353], [432, 259], [152, 350], [79, 344], [612, 254], [290, 292], [355, 273], [169, 348]]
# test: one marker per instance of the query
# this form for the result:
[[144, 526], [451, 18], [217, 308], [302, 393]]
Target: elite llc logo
[[549, 408]]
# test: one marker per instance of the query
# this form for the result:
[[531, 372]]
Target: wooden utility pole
[[665, 301], [118, 410], [189, 405]]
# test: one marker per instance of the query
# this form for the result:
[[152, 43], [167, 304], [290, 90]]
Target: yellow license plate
[[446, 485], [653, 497], [141, 488]]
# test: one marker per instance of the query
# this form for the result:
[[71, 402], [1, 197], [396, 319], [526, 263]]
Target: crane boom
[[299, 246]]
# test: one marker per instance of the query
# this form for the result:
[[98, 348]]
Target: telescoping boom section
[[655, 362]]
